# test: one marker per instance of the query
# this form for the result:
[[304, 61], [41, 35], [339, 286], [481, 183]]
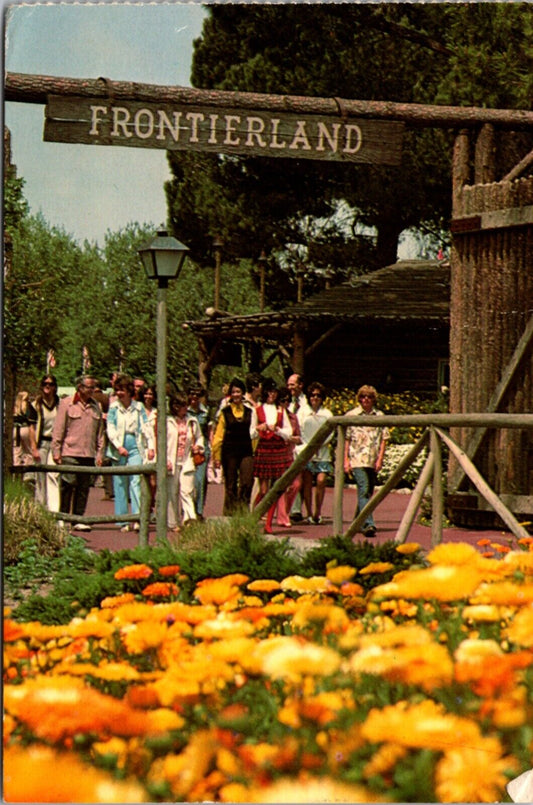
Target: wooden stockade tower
[[492, 252], [491, 324]]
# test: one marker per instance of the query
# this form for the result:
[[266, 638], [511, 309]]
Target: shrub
[[24, 520]]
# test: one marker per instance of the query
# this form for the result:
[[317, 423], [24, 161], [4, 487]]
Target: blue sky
[[88, 190]]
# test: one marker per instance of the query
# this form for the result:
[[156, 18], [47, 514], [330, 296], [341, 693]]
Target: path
[[387, 515]]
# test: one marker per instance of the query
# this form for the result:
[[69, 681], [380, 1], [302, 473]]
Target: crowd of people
[[251, 439]]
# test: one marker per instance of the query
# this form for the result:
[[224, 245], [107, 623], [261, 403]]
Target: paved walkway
[[387, 516]]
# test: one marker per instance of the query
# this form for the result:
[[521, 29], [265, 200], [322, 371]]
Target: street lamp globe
[[163, 257]]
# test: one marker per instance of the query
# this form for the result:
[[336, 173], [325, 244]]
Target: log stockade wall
[[491, 309]]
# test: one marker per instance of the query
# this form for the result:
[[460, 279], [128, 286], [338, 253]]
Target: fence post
[[339, 481], [414, 502], [144, 514], [437, 499]]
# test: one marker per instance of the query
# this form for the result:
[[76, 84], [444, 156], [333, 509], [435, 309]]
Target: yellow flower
[[309, 789], [486, 613], [424, 726], [472, 650], [445, 583], [340, 574], [384, 759], [61, 777], [472, 774], [408, 547], [299, 584], [223, 627], [504, 592], [521, 629], [376, 567], [452, 553], [332, 617], [139, 637], [291, 658], [216, 591], [431, 667], [264, 585], [521, 560], [117, 600]]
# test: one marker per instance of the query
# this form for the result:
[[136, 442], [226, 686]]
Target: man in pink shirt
[[78, 438]]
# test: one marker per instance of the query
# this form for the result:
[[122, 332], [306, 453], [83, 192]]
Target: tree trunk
[[387, 242]]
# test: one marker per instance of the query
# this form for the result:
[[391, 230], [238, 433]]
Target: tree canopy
[[460, 54]]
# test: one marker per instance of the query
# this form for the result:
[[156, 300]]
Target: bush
[[24, 520]]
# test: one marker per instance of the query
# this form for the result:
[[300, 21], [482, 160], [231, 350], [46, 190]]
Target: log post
[[484, 161]]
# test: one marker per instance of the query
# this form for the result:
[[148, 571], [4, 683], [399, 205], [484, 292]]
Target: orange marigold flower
[[483, 542], [169, 570], [12, 631], [160, 589], [502, 548], [134, 572], [488, 554], [61, 777]]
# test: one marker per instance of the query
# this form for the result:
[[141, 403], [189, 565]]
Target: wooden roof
[[410, 290]]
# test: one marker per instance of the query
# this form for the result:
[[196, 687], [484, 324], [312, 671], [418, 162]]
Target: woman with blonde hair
[[364, 449]]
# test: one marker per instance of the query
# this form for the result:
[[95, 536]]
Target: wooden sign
[[176, 127]]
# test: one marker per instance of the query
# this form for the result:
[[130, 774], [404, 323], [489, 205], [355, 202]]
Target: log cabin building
[[389, 328]]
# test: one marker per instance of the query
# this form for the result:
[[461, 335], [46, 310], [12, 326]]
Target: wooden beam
[[28, 88], [519, 169], [483, 488], [320, 340]]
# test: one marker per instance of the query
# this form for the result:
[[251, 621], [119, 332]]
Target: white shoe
[[82, 527], [136, 526], [126, 528]]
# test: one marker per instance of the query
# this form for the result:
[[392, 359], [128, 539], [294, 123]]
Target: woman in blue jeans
[[131, 442], [364, 449]]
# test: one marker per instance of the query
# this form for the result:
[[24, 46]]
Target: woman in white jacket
[[131, 442], [184, 441]]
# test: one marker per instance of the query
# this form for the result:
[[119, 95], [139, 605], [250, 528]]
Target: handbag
[[198, 459]]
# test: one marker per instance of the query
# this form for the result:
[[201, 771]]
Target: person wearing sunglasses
[[46, 405], [317, 470], [364, 449]]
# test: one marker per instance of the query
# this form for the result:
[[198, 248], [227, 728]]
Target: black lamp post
[[163, 259]]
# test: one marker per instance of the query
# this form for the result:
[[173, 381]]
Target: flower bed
[[304, 690]]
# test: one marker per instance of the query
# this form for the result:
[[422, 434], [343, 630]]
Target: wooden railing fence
[[433, 436], [432, 473], [143, 517]]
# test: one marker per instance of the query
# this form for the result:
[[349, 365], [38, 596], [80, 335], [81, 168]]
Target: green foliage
[[15, 205], [78, 580], [26, 522]]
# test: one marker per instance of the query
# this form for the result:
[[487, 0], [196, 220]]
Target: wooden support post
[[298, 352], [381, 493], [415, 501], [437, 497], [483, 488], [338, 491], [460, 163], [484, 161], [144, 514]]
